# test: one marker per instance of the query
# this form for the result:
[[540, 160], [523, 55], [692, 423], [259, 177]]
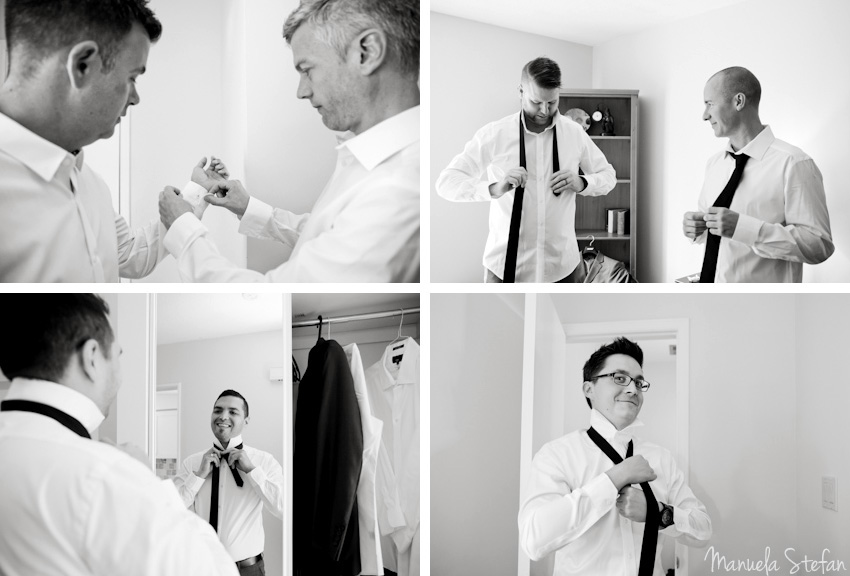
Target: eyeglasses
[[624, 380]]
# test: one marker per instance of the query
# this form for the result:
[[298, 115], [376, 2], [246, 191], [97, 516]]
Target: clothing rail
[[353, 317]]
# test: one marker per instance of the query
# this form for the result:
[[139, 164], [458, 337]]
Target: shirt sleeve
[[262, 221], [267, 481], [691, 524], [139, 250], [466, 178], [598, 172], [372, 240], [805, 235], [553, 513], [188, 485], [136, 525]]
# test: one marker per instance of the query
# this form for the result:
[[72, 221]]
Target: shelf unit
[[621, 152]]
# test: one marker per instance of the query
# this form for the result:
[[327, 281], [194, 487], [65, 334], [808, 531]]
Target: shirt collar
[[555, 119], [608, 431], [408, 369], [234, 441], [383, 139], [39, 155], [61, 397], [757, 147]]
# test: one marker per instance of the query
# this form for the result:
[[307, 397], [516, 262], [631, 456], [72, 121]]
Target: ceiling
[[185, 317], [585, 22]]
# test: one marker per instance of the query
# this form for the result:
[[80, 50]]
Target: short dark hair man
[[579, 502], [762, 210], [74, 506], [232, 500], [73, 67], [489, 169], [358, 62]]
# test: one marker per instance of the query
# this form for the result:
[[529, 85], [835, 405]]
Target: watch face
[[667, 517], [597, 116]]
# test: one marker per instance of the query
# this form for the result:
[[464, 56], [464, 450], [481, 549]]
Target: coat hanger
[[320, 329], [398, 342], [590, 250]]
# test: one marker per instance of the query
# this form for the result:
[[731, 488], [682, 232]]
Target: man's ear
[[371, 50], [84, 60], [587, 388], [88, 358]]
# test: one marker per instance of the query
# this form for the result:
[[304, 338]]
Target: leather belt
[[249, 561]]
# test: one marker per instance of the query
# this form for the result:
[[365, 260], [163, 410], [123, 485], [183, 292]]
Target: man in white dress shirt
[[489, 170], [74, 506], [240, 480], [73, 71], [777, 220], [359, 67], [581, 506]]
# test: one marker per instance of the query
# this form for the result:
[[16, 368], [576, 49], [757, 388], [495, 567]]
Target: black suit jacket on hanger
[[328, 457]]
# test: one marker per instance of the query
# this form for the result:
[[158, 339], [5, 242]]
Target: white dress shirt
[[394, 396], [363, 228], [783, 220], [240, 510], [569, 504], [548, 250], [57, 223], [371, 559], [78, 507]]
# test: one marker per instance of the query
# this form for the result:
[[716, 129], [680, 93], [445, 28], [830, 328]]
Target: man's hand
[[721, 221], [513, 179], [211, 458], [172, 206], [240, 458], [566, 181], [693, 224], [207, 176], [632, 470], [631, 504], [231, 195]]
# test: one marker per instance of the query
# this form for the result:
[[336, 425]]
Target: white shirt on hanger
[[394, 396], [79, 507], [371, 560], [240, 517]]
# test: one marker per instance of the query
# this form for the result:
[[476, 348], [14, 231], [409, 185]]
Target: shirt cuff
[[256, 215], [747, 230], [193, 193], [194, 483], [601, 489], [182, 233], [257, 475]]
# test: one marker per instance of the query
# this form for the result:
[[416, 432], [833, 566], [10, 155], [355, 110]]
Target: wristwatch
[[666, 516]]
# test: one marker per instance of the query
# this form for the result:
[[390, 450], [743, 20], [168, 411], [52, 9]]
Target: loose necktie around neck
[[712, 243], [65, 420], [516, 212], [653, 517], [214, 491]]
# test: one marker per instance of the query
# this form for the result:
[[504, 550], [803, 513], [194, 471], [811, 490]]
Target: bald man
[[762, 211]]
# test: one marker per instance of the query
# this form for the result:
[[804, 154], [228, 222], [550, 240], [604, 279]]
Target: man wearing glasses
[[579, 501]]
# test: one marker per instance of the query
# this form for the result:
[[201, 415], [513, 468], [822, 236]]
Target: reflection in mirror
[[208, 344]]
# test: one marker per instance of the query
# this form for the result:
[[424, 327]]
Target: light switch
[[828, 493]]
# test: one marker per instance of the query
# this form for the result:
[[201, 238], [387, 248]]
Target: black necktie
[[68, 422], [214, 492], [653, 517], [712, 241], [509, 273]]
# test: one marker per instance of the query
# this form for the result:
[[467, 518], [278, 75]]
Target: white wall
[[290, 154], [822, 425], [181, 117], [742, 417], [475, 72], [795, 48], [476, 382], [207, 367]]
